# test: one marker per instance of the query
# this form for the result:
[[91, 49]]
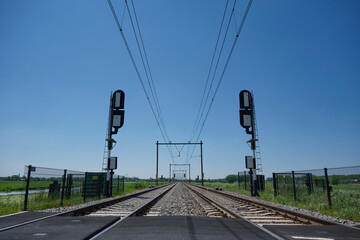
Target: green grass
[[10, 186], [39, 201], [345, 199]]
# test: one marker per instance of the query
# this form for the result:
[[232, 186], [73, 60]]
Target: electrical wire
[[151, 82], [135, 66], [147, 72], [197, 124], [224, 69], [208, 76], [216, 66]]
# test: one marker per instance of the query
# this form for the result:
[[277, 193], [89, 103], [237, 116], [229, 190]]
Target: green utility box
[[94, 184]]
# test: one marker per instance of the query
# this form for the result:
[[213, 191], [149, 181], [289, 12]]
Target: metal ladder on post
[[257, 142], [106, 149], [105, 160]]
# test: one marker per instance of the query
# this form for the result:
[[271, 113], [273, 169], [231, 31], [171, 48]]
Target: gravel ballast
[[178, 202]]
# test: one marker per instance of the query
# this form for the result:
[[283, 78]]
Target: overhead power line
[[215, 69], [224, 69], [158, 117], [208, 76]]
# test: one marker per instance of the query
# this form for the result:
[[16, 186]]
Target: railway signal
[[247, 121], [116, 121]]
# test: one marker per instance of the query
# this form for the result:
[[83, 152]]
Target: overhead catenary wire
[[136, 68], [225, 67], [215, 69], [208, 76], [147, 73], [151, 82], [203, 107]]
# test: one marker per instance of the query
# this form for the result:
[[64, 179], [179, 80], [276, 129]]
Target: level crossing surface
[[183, 228]]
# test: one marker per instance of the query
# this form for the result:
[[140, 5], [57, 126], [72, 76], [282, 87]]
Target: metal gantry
[[171, 143], [175, 164]]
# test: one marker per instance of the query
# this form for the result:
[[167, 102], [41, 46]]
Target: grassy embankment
[[39, 201], [345, 199]]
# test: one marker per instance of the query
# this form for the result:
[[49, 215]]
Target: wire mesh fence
[[118, 185], [50, 187], [244, 180], [328, 185]]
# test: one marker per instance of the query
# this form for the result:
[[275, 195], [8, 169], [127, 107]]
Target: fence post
[[123, 182], [118, 185], [274, 183], [327, 186], [293, 183], [84, 190], [99, 189], [239, 180], [245, 179], [63, 188], [27, 187]]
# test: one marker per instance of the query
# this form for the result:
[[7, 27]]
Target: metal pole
[[253, 146], [245, 178], [170, 174], [118, 184], [111, 182], [63, 188], [251, 182], [27, 187], [85, 183], [189, 174], [99, 181], [109, 148], [293, 183], [327, 186], [239, 180], [123, 184], [157, 161], [274, 184], [202, 171]]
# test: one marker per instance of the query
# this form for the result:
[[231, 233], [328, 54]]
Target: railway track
[[177, 200], [258, 213], [121, 207]]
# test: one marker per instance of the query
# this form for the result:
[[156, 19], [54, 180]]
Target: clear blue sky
[[59, 61]]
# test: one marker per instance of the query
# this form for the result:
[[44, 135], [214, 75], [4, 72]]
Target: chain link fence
[[328, 185]]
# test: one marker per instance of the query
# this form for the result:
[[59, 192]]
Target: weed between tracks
[[345, 199]]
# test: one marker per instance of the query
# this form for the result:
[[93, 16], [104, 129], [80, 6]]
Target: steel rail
[[138, 211], [84, 210], [279, 210], [234, 214]]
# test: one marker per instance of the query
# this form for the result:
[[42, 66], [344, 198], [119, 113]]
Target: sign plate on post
[[250, 162], [112, 163]]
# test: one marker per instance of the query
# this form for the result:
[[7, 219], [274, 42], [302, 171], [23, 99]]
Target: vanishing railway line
[[182, 200]]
